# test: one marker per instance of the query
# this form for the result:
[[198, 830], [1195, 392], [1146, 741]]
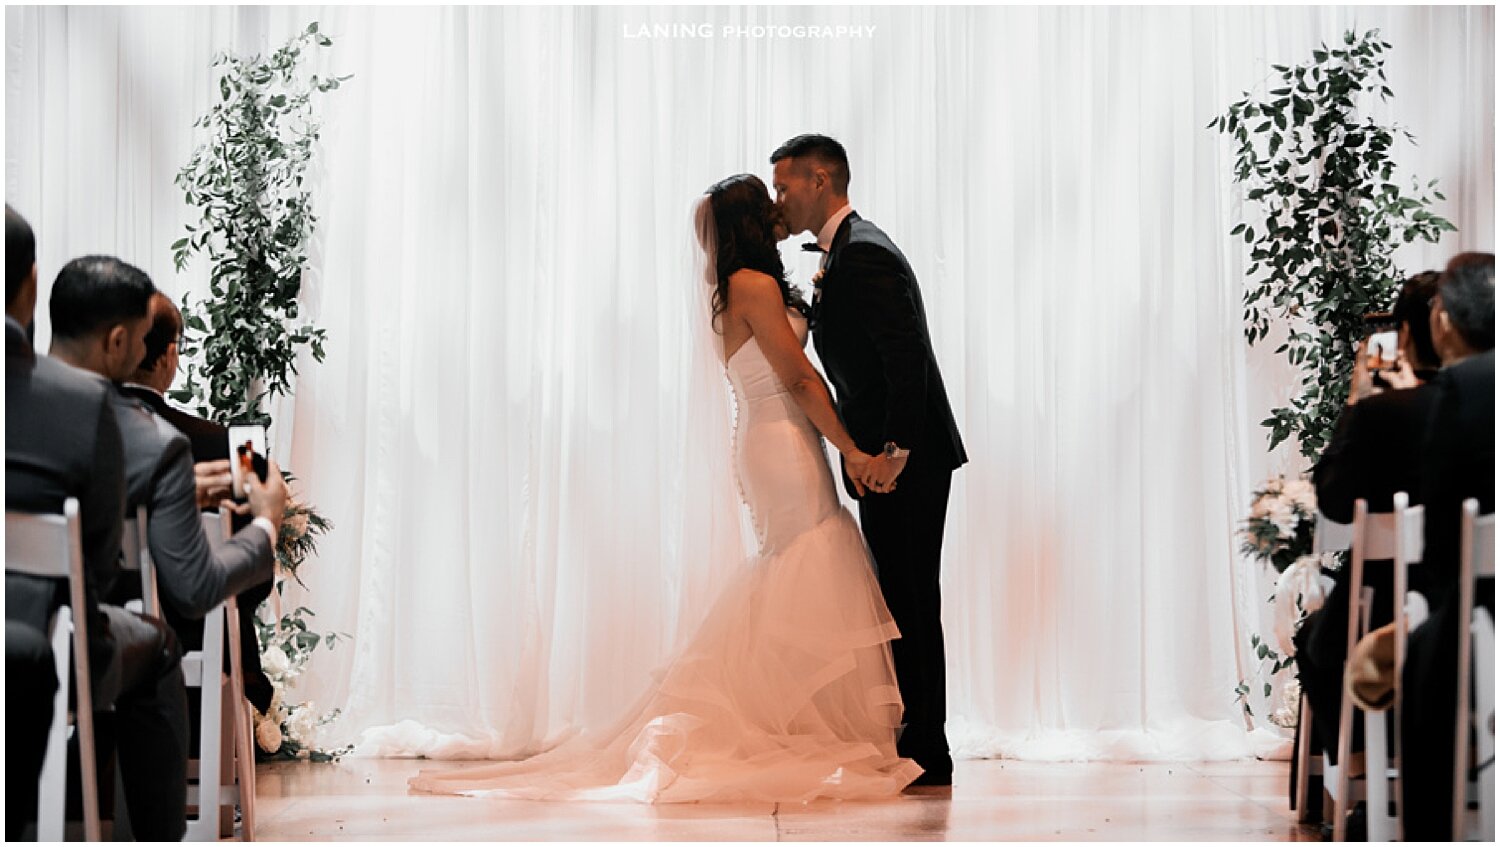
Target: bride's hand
[[856, 462]]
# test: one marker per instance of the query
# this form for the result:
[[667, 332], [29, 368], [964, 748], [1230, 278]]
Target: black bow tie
[[812, 247]]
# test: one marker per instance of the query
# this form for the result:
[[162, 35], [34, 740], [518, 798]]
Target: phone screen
[[247, 455], [1383, 346]]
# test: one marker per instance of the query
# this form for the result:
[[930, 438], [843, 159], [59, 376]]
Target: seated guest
[[1458, 463], [155, 375], [1375, 452], [193, 577], [61, 441], [210, 447]]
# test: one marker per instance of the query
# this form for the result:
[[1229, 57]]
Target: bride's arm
[[757, 300]]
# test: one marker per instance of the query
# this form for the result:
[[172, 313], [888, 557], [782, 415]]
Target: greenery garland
[[255, 220], [1331, 216]]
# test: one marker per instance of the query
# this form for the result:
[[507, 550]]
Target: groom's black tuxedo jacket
[[870, 331]]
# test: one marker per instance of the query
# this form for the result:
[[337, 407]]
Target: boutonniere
[[817, 278]]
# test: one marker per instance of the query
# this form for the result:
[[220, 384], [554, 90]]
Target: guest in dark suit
[[1458, 463], [155, 375], [62, 440], [1376, 451], [870, 331], [210, 449]]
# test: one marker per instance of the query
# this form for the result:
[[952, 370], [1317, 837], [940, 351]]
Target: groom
[[870, 330]]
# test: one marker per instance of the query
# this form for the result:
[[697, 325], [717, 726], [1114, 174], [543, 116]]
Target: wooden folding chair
[[1476, 558], [226, 731], [51, 546], [1370, 536]]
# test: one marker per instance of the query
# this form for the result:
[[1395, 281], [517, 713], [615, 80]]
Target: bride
[[787, 692]]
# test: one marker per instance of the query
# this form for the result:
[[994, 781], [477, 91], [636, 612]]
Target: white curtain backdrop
[[525, 468]]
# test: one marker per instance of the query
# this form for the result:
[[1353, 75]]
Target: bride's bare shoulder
[[748, 280]]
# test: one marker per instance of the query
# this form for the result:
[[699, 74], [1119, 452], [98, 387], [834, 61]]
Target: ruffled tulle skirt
[[785, 694]]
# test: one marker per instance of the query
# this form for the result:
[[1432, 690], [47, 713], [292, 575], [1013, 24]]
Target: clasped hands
[[873, 473]]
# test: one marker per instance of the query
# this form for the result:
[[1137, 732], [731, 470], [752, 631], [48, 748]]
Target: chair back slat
[[1332, 537], [37, 544], [218, 527], [1409, 535], [136, 546], [1483, 544], [1379, 536]]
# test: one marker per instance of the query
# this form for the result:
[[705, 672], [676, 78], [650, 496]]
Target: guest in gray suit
[[192, 576], [61, 441]]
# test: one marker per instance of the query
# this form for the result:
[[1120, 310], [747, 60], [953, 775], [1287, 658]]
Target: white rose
[[1302, 493], [1284, 517], [1261, 507], [268, 736], [303, 724], [275, 663]]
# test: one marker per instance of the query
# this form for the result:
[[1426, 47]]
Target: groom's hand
[[881, 472]]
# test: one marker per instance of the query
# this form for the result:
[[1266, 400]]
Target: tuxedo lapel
[[830, 269]]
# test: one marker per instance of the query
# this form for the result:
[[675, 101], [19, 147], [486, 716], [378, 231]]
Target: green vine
[[255, 221], [1331, 216]]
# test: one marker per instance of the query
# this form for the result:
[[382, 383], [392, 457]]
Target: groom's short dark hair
[[826, 150]]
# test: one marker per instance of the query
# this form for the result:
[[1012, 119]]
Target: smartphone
[[247, 455], [1383, 347]]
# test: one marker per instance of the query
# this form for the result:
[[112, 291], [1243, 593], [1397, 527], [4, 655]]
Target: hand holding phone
[[1362, 381], [268, 499]]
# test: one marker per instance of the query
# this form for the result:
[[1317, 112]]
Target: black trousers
[[30, 684], [151, 725], [905, 532]]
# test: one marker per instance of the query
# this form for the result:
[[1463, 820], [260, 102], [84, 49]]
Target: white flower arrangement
[[1280, 527], [286, 645], [1279, 532]]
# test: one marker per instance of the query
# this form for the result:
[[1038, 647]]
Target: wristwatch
[[891, 451]]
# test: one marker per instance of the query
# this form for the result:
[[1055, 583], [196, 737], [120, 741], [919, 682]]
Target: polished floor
[[367, 800]]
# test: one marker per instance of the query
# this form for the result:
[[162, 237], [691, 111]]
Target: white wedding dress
[[787, 692]]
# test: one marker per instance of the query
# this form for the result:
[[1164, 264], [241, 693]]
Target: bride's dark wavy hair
[[736, 227]]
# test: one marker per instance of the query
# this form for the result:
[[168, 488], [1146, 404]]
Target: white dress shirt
[[831, 228]]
